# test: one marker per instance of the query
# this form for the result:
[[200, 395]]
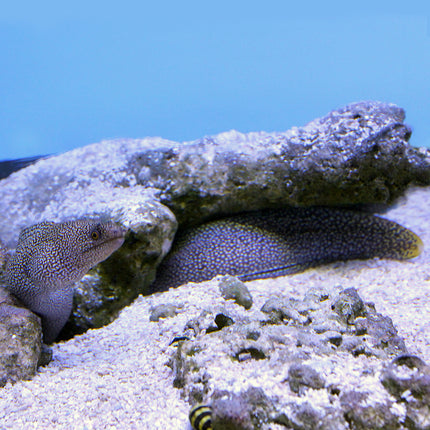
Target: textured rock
[[407, 378], [261, 348], [362, 415], [358, 154], [166, 310], [301, 376], [231, 288], [248, 410], [20, 340]]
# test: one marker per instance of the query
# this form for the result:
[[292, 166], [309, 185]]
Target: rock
[[166, 310], [301, 376], [407, 378], [356, 155], [232, 288], [247, 410], [262, 351], [282, 309], [20, 340], [363, 415], [304, 417], [350, 324], [222, 320], [348, 305]]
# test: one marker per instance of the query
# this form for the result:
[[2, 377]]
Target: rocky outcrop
[[354, 155], [358, 154], [329, 360]]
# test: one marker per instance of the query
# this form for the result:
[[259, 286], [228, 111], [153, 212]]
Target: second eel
[[277, 242]]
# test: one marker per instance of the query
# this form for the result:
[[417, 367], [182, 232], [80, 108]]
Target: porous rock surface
[[20, 340], [302, 346], [358, 154]]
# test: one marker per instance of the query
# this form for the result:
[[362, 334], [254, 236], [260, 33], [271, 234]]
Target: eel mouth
[[117, 242], [118, 232], [118, 235]]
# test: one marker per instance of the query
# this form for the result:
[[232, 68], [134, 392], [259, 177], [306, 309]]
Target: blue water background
[[73, 74]]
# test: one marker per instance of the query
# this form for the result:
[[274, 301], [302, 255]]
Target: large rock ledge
[[355, 155]]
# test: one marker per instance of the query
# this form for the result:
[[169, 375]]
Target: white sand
[[116, 377]]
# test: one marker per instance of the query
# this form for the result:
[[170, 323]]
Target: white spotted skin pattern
[[278, 242], [49, 258]]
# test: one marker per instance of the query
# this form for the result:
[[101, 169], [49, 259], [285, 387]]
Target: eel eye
[[95, 235]]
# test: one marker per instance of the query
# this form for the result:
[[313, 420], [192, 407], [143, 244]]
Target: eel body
[[283, 241], [9, 166], [49, 258]]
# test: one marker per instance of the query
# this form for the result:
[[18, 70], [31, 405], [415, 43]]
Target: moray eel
[[278, 242], [49, 258]]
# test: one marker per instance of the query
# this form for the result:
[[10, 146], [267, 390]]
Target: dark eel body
[[9, 166], [277, 242]]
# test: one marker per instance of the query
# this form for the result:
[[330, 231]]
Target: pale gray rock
[[166, 310], [407, 378], [305, 360], [355, 155], [301, 377], [248, 410], [20, 340], [304, 416], [362, 415], [348, 306], [231, 288]]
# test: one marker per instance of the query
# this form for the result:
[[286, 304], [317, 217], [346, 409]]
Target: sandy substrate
[[116, 377]]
